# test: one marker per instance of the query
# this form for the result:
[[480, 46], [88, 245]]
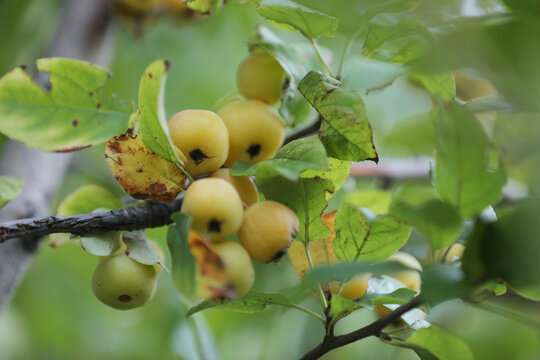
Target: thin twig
[[374, 329]]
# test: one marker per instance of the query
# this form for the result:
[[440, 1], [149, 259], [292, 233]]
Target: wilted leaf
[[69, 113], [139, 248], [142, 173]]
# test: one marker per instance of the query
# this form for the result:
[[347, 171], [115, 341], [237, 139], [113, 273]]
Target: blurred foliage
[[55, 315]]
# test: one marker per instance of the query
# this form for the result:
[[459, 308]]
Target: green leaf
[[352, 229], [468, 173], [435, 343], [510, 46], [345, 271], [376, 200], [69, 113], [306, 197], [358, 239], [507, 249], [420, 206], [290, 15], [293, 158], [87, 199], [342, 307], [444, 282], [531, 292], [10, 188], [399, 296], [152, 119], [184, 266], [345, 131], [380, 33], [389, 7], [338, 173], [139, 248], [252, 302], [442, 86], [204, 6]]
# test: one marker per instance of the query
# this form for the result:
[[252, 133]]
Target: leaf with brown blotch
[[214, 283], [142, 173]]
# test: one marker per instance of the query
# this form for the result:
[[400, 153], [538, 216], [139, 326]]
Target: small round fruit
[[261, 77], [411, 278], [267, 230], [238, 266], [203, 138], [243, 185], [469, 87], [353, 289], [255, 131], [450, 255], [123, 283], [215, 206]]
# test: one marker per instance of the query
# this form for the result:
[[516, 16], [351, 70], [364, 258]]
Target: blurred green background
[[54, 315]]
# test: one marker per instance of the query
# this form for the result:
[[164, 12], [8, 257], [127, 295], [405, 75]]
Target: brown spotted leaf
[[214, 283], [142, 173]]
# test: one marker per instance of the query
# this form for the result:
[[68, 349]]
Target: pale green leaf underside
[[72, 114], [290, 15], [184, 265]]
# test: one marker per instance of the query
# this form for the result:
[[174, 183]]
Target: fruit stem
[[224, 100], [185, 173], [321, 58]]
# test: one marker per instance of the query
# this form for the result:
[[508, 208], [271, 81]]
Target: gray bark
[[83, 33]]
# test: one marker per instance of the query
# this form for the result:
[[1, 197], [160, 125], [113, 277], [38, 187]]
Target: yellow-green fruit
[[353, 289], [411, 278], [238, 266], [255, 131], [261, 77], [215, 206], [469, 87], [450, 255], [268, 230], [203, 138], [243, 185], [123, 283]]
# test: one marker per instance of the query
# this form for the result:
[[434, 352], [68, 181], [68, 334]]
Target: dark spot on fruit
[[139, 170], [114, 146], [278, 256], [98, 105], [150, 75], [214, 226], [124, 298], [23, 67], [286, 83], [167, 64], [254, 150], [90, 93], [75, 122], [198, 156]]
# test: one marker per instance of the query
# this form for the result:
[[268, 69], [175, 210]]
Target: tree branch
[[374, 329], [136, 218]]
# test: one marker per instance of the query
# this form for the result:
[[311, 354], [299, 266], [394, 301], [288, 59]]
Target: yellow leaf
[[142, 173]]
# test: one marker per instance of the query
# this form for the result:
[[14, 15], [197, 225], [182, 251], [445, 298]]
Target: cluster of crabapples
[[219, 203]]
